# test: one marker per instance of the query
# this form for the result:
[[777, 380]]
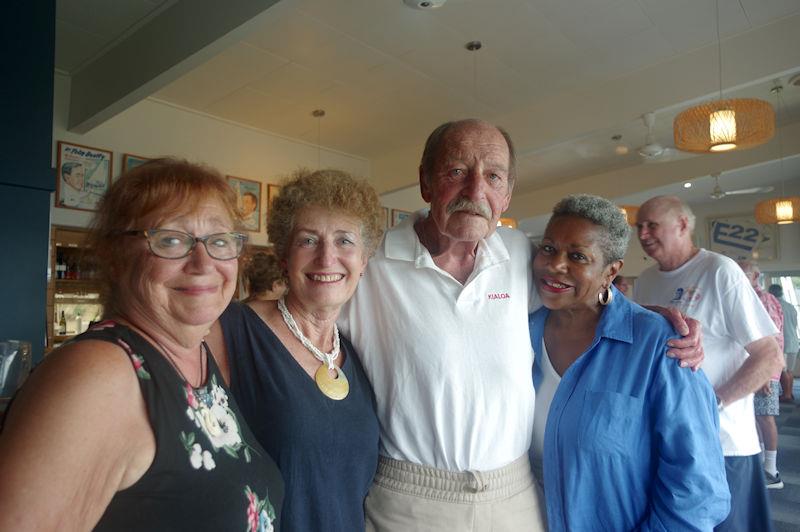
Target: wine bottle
[[62, 324]]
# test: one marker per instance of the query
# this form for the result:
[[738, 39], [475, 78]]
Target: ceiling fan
[[653, 151], [718, 193]]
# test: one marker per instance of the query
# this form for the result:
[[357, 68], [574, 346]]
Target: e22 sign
[[743, 238]]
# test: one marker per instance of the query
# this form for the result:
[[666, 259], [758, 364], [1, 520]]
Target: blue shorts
[[749, 502]]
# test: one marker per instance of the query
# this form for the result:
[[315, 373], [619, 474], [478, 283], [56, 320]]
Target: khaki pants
[[407, 497]]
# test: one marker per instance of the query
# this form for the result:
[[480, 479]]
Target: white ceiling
[[563, 76]]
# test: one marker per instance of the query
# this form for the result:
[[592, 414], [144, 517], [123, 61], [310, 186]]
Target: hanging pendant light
[[724, 124], [318, 114], [786, 209], [630, 212]]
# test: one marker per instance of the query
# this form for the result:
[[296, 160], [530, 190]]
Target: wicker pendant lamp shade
[[723, 125], [778, 210], [630, 212]]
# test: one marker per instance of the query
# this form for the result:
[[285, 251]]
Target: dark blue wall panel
[[27, 37], [24, 229]]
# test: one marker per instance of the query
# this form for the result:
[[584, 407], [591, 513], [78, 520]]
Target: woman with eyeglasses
[[130, 426], [300, 384]]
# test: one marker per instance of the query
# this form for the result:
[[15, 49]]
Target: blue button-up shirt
[[631, 441]]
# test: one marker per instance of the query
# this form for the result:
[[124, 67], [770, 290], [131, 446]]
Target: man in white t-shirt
[[738, 337]]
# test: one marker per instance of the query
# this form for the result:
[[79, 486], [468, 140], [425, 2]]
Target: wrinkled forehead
[[475, 141], [661, 212]]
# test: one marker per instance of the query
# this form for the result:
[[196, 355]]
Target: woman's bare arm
[[77, 433]]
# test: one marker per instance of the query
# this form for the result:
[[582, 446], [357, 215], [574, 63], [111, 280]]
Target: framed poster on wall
[[83, 175], [741, 238], [248, 198], [130, 161]]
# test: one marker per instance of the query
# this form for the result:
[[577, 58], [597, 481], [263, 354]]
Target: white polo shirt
[[450, 363], [713, 289]]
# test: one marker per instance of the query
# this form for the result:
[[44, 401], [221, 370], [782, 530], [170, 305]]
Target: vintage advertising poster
[[83, 175], [248, 197]]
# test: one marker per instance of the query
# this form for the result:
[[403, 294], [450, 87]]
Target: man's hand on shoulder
[[688, 349]]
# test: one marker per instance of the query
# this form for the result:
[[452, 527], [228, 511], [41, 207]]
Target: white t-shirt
[[544, 397], [713, 289], [450, 363]]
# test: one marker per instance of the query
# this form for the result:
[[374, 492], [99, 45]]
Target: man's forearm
[[765, 360]]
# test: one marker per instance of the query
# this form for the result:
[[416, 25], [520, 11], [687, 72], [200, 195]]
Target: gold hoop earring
[[605, 296]]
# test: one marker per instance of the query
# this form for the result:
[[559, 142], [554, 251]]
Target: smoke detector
[[424, 5]]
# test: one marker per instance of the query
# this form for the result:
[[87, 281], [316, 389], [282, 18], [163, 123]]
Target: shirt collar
[[616, 322]]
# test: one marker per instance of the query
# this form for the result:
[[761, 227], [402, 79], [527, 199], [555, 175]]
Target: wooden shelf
[[70, 244]]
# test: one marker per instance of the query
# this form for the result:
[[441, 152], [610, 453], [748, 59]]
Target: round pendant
[[335, 388]]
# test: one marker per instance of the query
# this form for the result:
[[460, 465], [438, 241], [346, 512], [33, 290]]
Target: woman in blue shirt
[[628, 439]]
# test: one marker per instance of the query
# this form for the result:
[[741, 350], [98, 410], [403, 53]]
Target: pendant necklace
[[336, 387], [200, 391]]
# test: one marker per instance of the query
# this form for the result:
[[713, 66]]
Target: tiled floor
[[786, 502]]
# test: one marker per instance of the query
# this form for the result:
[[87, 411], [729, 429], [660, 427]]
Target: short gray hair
[[603, 213]]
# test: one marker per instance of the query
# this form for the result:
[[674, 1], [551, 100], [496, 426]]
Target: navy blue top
[[327, 450], [632, 439]]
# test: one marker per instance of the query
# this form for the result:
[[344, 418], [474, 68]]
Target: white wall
[[151, 128]]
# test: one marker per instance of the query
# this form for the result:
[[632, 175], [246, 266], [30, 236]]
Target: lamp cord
[[719, 51]]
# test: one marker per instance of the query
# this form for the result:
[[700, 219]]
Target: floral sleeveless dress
[[209, 472]]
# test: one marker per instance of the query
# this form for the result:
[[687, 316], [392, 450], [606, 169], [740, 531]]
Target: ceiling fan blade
[[753, 190]]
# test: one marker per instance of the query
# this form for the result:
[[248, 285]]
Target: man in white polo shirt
[[738, 335]]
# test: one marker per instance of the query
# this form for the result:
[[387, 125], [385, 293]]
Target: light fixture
[[318, 114], [687, 185], [724, 124], [786, 209], [474, 46], [620, 148], [630, 212], [424, 5], [507, 222]]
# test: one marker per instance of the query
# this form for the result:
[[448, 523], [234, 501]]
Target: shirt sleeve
[[746, 318], [691, 490]]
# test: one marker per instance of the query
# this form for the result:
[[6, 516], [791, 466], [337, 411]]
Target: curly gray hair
[[604, 213]]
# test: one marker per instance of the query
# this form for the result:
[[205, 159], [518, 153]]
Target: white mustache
[[466, 205]]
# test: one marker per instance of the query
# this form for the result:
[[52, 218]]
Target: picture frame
[[248, 199], [384, 218], [131, 161], [399, 215], [272, 193], [740, 237], [83, 175]]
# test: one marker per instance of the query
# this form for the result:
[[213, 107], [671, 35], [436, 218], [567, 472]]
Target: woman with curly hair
[[300, 383]]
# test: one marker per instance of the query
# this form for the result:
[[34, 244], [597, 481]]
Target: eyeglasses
[[169, 244]]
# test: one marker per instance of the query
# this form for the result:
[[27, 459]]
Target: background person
[[264, 277], [765, 400], [741, 351], [130, 426], [623, 285], [320, 429], [790, 343], [631, 438]]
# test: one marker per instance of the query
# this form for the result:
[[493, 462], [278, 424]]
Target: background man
[[791, 345], [765, 400], [738, 337]]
